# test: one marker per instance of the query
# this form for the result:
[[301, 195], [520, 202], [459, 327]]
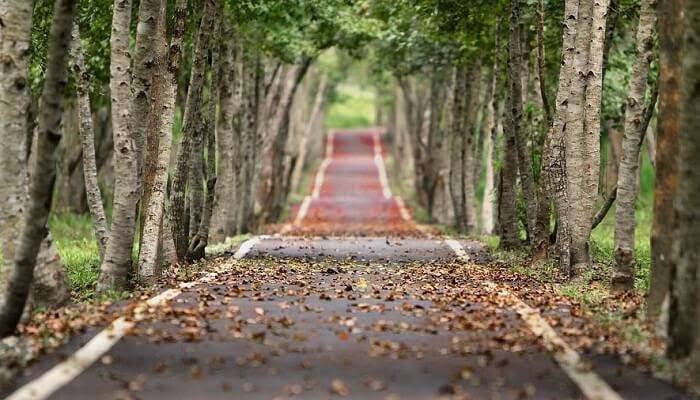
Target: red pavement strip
[[350, 196]]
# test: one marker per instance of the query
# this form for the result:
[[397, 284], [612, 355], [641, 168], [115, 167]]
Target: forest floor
[[350, 299]]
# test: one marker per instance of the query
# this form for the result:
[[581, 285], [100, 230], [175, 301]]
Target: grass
[[75, 241]]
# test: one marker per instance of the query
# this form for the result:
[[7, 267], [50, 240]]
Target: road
[[352, 299]]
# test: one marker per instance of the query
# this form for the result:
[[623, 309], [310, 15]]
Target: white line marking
[[320, 176], [458, 249], [381, 168], [303, 210], [247, 246], [591, 385], [64, 372], [316, 191]]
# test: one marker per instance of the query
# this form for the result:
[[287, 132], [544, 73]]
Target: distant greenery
[[351, 107]]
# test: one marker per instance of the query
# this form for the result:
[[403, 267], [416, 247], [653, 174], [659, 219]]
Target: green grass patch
[[75, 241], [352, 106]]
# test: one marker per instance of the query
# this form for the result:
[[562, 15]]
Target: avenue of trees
[[178, 123]]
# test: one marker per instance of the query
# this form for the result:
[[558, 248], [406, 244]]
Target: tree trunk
[[87, 133], [116, 264], [671, 28], [270, 195], [684, 312], [507, 207], [457, 148], [195, 184], [472, 103], [591, 133], [555, 161], [192, 114], [574, 139], [152, 130], [43, 177], [146, 52], [431, 162], [629, 163], [515, 67], [490, 135], [201, 237], [228, 131], [252, 139], [154, 227], [540, 245], [15, 35], [308, 130]]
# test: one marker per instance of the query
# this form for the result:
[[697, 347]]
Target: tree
[[631, 144], [153, 229], [671, 27], [684, 313], [515, 79], [200, 238], [15, 33], [575, 140], [44, 170], [87, 134], [116, 263], [191, 129]]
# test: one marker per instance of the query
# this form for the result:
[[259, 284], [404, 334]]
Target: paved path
[[404, 316]]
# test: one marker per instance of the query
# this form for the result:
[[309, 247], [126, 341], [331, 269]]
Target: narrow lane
[[351, 194], [353, 301]]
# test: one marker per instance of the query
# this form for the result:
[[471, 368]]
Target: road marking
[[381, 168], [591, 385], [458, 250], [316, 191], [247, 246], [64, 372], [320, 176]]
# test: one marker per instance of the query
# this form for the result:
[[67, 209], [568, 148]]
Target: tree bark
[[509, 230], [195, 184], [308, 130], [544, 201], [15, 35], [87, 133], [43, 177], [146, 52], [201, 237], [116, 264], [468, 148], [152, 130], [671, 28], [490, 136], [252, 140], [592, 118], [573, 168], [527, 180], [456, 149], [191, 128], [223, 221], [684, 312], [555, 159], [574, 139], [155, 228], [541, 73], [270, 192], [629, 163]]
